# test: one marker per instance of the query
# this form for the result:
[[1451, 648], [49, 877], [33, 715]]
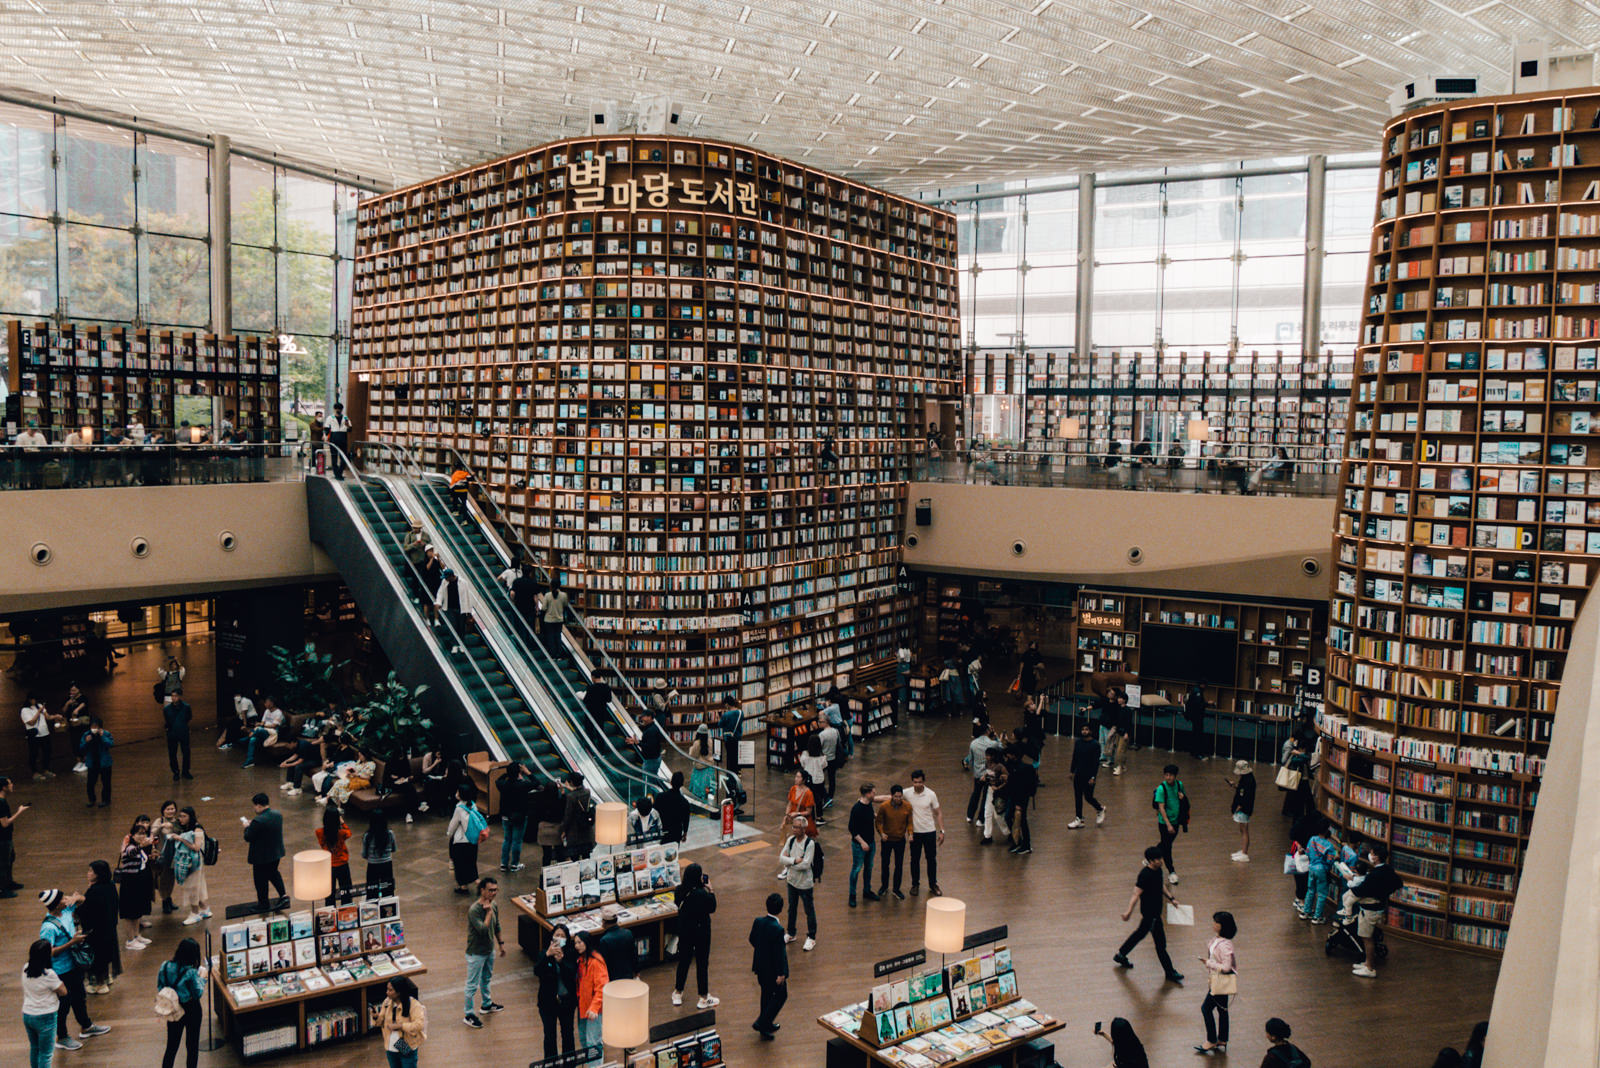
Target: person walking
[[927, 833], [483, 939], [592, 980], [1194, 711], [983, 740], [403, 1019], [468, 827], [181, 975], [97, 919], [557, 971], [264, 835], [695, 903], [863, 841], [59, 928], [769, 960], [337, 427], [893, 821], [8, 853], [1222, 982], [1242, 805], [378, 849], [177, 715], [43, 993], [1148, 894], [1022, 785], [798, 856], [1171, 805], [1281, 1053], [830, 751], [1028, 677], [95, 748], [334, 836], [1085, 766], [553, 619], [188, 867]]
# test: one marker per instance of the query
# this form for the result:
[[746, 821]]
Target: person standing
[[893, 822], [177, 715], [1022, 783], [798, 855], [1242, 805], [732, 726], [181, 974], [483, 939], [59, 928], [1194, 711], [800, 801], [97, 919], [404, 1022], [1126, 1049], [1116, 743], [1221, 982], [863, 842], [554, 619], [135, 883], [43, 993], [592, 980], [1281, 1053], [1371, 893], [378, 849], [1169, 801], [95, 746], [334, 836], [1148, 894], [830, 748], [577, 819], [557, 972], [616, 945], [467, 829], [8, 853], [983, 740], [338, 430], [597, 697], [1028, 678], [188, 867], [515, 791], [36, 724], [264, 834], [524, 593], [927, 833], [695, 903], [650, 743], [1085, 766], [770, 962]]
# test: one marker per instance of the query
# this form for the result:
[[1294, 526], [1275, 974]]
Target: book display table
[[639, 880]]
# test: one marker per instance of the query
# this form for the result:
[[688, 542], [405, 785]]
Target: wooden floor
[[1062, 904]]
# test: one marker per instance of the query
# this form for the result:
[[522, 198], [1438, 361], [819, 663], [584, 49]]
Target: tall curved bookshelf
[[1468, 522]]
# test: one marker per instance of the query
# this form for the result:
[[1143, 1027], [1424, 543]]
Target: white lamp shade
[[1199, 430], [313, 874], [1069, 428], [625, 1015], [86, 435], [945, 926], [611, 823], [195, 433]]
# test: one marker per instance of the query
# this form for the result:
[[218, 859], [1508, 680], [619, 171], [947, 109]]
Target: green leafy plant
[[304, 681], [390, 722]]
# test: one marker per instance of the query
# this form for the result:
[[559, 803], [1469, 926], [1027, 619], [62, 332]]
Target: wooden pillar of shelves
[[642, 343], [1467, 527]]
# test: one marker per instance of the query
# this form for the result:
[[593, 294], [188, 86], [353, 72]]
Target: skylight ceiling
[[910, 94]]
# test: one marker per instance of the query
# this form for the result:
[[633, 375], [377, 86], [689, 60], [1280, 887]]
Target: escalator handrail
[[380, 533], [505, 532]]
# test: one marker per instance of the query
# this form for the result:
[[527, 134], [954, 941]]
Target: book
[[258, 960], [257, 932], [300, 925], [277, 930], [305, 951], [349, 917], [235, 937]]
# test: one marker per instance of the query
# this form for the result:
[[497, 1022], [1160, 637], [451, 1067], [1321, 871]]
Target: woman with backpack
[[181, 975], [188, 867], [468, 828], [378, 849]]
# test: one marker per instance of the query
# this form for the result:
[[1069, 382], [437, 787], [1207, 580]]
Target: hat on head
[[609, 914], [49, 898], [1242, 767], [449, 574]]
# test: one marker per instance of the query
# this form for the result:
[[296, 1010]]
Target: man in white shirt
[[338, 430], [136, 433], [31, 443], [271, 724], [36, 722], [927, 832], [828, 738]]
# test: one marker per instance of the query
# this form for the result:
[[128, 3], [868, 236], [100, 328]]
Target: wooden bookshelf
[[1469, 509], [642, 343], [74, 375]]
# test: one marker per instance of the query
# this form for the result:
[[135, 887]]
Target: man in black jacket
[[615, 944], [177, 714], [1085, 766], [863, 842], [770, 962], [1022, 782], [265, 835], [1372, 892], [1194, 710]]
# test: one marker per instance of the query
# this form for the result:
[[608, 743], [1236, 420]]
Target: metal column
[[1083, 336], [221, 237], [1311, 299]]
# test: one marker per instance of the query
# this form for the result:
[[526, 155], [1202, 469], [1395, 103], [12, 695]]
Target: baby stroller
[[1343, 941]]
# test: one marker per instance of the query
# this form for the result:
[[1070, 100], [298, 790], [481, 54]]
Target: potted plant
[[390, 721], [304, 681]]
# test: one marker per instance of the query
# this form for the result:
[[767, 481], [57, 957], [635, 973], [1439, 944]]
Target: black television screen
[[1188, 654]]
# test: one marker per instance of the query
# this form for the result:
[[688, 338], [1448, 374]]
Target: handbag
[[82, 954], [1288, 778], [1224, 983]]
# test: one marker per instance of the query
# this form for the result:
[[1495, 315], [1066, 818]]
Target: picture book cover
[[1002, 958], [305, 952], [327, 919], [388, 908], [1008, 985], [300, 925], [886, 1028], [688, 1050], [646, 1059], [986, 965], [282, 955], [372, 939], [991, 991], [976, 997], [605, 869], [277, 930], [349, 943], [328, 945], [349, 917], [901, 992], [914, 988], [235, 938], [394, 934], [903, 1022], [939, 1011], [258, 932], [881, 997], [963, 1005], [367, 912], [235, 965], [957, 973], [710, 1048], [933, 983], [260, 963], [921, 1016], [340, 976]]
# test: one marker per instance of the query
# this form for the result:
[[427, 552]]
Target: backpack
[[816, 860], [211, 852], [167, 1006], [1290, 1055], [477, 825]]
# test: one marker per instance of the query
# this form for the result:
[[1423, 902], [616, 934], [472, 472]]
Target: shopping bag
[[1180, 915]]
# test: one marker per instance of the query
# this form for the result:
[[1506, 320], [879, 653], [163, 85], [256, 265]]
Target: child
[[1323, 853], [1347, 901]]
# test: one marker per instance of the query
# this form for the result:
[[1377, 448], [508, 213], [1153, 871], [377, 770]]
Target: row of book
[[960, 1040], [607, 879], [313, 980], [700, 1050]]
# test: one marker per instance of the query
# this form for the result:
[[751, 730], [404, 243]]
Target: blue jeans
[[511, 831], [257, 736], [861, 865], [41, 1039], [589, 1032], [955, 692], [1317, 881], [480, 970], [401, 1060]]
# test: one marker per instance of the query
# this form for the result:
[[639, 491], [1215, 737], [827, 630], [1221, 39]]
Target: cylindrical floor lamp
[[626, 1020]]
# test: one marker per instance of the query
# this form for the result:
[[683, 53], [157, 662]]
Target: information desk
[[485, 773], [533, 928], [1011, 1054], [237, 1021]]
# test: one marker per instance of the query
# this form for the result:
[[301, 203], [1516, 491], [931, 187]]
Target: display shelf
[[1467, 521], [697, 372], [786, 733], [870, 710], [71, 375]]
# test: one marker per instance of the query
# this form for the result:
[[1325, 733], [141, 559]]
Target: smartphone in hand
[[1098, 1025]]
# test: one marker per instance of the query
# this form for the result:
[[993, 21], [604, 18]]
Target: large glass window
[[1347, 231]]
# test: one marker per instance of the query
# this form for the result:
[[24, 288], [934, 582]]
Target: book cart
[[302, 979], [786, 733], [638, 879], [968, 1010]]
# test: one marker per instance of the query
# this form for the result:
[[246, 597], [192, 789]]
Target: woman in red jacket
[[592, 978]]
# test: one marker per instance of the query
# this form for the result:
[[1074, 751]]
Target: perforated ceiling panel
[[909, 94]]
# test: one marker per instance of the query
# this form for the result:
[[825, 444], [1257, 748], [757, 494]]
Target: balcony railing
[[1279, 476]]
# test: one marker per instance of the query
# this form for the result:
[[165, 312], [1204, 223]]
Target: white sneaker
[[708, 1002], [782, 875], [285, 785], [133, 943], [294, 791], [809, 945], [1173, 878], [422, 806], [192, 920], [1074, 825], [80, 767], [1363, 971], [788, 938], [1100, 817], [677, 997], [410, 818], [1116, 771], [1241, 858]]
